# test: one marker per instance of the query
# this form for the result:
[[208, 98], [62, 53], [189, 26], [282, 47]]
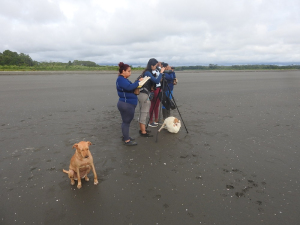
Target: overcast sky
[[180, 32]]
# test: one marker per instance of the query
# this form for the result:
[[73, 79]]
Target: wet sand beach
[[238, 163]]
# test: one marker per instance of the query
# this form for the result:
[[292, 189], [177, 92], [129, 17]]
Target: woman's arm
[[174, 75], [154, 79], [126, 84]]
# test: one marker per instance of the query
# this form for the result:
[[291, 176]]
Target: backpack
[[166, 101]]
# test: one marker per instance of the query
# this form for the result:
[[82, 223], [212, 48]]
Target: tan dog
[[81, 163], [172, 124]]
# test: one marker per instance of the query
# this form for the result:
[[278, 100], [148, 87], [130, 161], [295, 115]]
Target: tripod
[[161, 95]]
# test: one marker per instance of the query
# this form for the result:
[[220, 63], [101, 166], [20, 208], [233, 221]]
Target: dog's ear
[[75, 146], [89, 143]]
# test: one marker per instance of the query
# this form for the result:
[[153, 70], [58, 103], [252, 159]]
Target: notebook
[[141, 83]]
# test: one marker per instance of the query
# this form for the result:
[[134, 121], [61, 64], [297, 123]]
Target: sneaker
[[152, 124], [130, 143], [155, 123], [146, 135]]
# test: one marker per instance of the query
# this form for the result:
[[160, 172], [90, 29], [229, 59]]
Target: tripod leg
[[176, 107]]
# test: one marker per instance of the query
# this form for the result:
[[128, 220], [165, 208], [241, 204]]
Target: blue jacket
[[170, 78], [125, 90]]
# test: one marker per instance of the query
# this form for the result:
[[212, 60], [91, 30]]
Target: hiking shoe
[[152, 124], [130, 143]]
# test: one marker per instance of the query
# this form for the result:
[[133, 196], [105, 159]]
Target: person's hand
[[162, 69], [141, 79]]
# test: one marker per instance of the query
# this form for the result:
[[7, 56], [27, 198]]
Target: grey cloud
[[189, 31], [31, 11]]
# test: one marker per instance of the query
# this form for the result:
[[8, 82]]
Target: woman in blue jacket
[[144, 100], [127, 100]]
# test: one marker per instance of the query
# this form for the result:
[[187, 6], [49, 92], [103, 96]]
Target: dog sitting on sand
[[172, 124], [81, 163]]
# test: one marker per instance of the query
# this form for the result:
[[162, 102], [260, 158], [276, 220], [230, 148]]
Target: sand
[[237, 164]]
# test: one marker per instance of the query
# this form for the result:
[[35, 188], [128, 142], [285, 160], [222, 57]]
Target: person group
[[148, 97]]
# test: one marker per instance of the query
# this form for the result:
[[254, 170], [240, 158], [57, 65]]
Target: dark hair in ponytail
[[123, 66]]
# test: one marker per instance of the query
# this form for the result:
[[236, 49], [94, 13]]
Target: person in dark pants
[[127, 100], [170, 77]]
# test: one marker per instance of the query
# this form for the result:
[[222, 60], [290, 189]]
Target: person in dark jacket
[[170, 77], [145, 92], [127, 100]]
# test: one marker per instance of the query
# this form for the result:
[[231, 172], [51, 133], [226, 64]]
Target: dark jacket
[[170, 79]]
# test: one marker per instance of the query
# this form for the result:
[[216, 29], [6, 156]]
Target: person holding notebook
[[127, 100]]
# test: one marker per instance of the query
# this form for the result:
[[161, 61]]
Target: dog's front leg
[[86, 173], [95, 175], [79, 179], [71, 176]]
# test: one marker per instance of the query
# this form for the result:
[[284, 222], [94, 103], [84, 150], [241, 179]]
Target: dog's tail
[[66, 171]]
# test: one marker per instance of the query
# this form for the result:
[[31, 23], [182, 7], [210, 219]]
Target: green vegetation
[[13, 58], [12, 61]]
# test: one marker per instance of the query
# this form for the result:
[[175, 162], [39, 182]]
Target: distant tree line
[[13, 61], [237, 67], [83, 63], [13, 58]]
